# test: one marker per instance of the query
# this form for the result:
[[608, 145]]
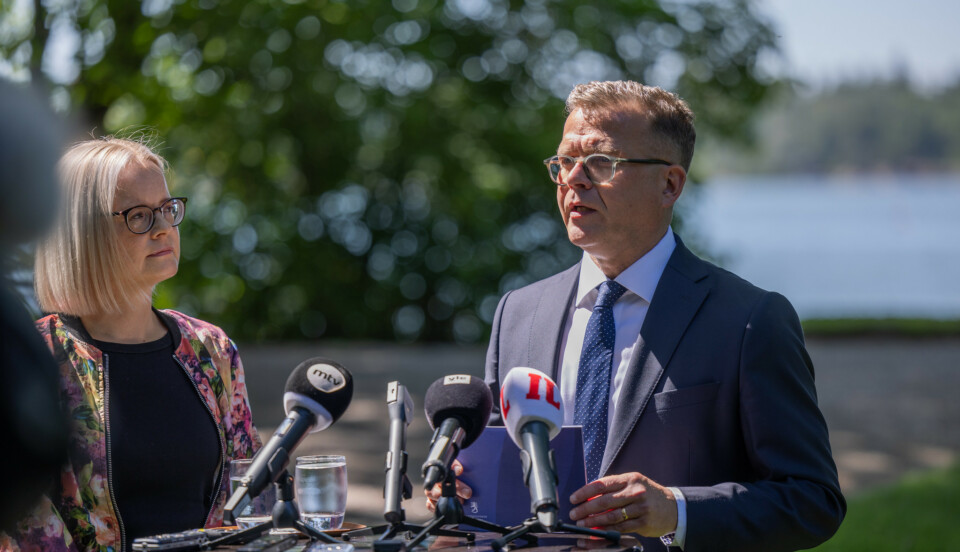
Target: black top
[[164, 449]]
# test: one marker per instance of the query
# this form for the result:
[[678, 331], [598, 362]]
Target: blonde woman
[[156, 399]]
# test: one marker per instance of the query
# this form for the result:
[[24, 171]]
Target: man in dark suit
[[693, 386]]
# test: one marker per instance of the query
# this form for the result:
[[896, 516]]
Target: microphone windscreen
[[321, 386], [464, 397], [528, 395]]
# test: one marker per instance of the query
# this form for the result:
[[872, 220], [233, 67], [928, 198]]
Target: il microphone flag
[[533, 414]]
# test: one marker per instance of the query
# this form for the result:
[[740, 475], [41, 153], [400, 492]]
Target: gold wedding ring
[[623, 512]]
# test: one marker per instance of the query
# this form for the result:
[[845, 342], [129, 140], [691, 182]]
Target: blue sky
[[825, 41]]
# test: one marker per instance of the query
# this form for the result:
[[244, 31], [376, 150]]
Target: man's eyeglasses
[[140, 219], [600, 167]]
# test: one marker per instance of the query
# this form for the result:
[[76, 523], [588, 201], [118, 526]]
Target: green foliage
[[918, 514], [372, 169], [856, 127]]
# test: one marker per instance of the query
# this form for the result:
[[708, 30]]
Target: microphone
[[317, 393], [397, 486], [458, 407], [532, 411]]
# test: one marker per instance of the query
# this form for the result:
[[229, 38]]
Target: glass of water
[[260, 510], [321, 486]]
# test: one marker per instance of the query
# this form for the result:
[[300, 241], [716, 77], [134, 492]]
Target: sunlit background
[[371, 169], [848, 202], [365, 180]]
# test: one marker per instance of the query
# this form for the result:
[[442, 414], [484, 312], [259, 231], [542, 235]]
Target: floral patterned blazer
[[79, 512]]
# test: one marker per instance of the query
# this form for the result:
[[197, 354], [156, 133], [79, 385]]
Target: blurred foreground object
[[32, 427]]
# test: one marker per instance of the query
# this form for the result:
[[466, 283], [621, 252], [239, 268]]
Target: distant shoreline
[[912, 328]]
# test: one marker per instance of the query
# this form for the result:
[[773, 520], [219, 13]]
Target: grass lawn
[[920, 513]]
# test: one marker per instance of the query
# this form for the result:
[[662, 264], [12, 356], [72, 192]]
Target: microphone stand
[[286, 514], [398, 517], [450, 512], [544, 518], [397, 486], [398, 524], [386, 542], [534, 525]]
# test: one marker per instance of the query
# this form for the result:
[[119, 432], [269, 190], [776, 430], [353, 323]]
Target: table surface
[[554, 542]]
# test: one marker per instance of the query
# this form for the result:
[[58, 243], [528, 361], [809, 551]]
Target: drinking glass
[[260, 509], [321, 486]]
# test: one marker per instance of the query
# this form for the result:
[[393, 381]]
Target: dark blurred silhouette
[[33, 430]]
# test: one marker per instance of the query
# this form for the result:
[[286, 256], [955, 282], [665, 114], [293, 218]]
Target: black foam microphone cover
[[323, 382], [466, 398]]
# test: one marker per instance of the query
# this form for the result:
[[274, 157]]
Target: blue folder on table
[[493, 471]]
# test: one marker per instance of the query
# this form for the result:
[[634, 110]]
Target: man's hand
[[463, 491], [628, 503]]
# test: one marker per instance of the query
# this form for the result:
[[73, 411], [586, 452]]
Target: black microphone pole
[[458, 406], [285, 514], [317, 393], [444, 447], [397, 486], [542, 483], [530, 420], [450, 512], [270, 461]]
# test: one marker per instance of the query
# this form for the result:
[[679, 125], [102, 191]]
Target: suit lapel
[[676, 301], [548, 322]]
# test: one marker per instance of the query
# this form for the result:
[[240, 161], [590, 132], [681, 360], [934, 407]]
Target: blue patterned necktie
[[593, 377]]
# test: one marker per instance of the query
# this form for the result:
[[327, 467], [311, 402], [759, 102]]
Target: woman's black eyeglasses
[[140, 219]]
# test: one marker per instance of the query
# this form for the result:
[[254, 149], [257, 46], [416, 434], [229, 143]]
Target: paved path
[[891, 406]]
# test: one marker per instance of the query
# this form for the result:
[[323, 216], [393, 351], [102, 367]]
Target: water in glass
[[259, 509], [257, 512], [321, 487]]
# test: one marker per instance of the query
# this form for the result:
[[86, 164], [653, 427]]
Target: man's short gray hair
[[669, 115]]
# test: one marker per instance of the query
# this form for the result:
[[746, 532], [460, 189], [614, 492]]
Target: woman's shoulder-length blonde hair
[[80, 267]]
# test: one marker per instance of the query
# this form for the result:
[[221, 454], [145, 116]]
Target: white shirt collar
[[640, 278]]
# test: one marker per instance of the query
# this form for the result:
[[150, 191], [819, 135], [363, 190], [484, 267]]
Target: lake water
[[837, 246]]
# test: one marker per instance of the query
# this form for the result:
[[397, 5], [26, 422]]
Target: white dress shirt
[[629, 312]]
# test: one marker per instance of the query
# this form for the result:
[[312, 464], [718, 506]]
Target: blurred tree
[[367, 168]]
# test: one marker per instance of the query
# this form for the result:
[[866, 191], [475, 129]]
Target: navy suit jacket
[[719, 402]]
